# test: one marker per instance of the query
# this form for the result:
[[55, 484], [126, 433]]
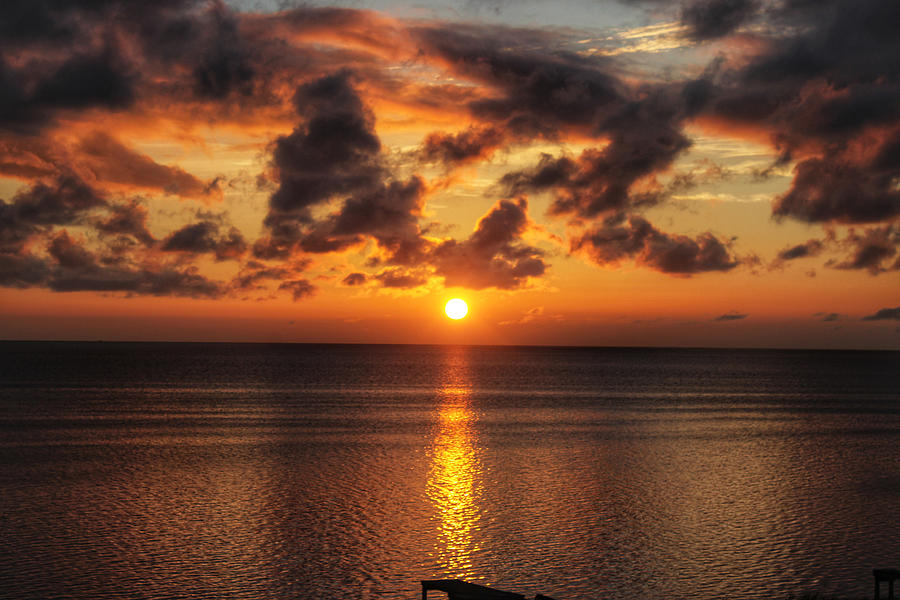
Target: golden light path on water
[[455, 474]]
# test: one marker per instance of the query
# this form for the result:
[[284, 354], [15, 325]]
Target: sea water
[[353, 471]]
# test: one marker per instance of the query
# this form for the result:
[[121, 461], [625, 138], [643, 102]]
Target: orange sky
[[335, 175]]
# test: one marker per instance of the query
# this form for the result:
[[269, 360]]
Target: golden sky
[[713, 173]]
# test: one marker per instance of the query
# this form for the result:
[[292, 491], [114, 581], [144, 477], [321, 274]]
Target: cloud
[[469, 145], [885, 314], [354, 279], [77, 269], [835, 189], [166, 281], [824, 86], [540, 92], [61, 202], [389, 213], [808, 248], [600, 181], [612, 242], [68, 253], [299, 288], [225, 64], [731, 316], [872, 250], [253, 273], [22, 270], [493, 255], [126, 219], [830, 317], [818, 79], [69, 265], [334, 152], [32, 96], [397, 277], [710, 19], [530, 316], [110, 161], [205, 237], [64, 201]]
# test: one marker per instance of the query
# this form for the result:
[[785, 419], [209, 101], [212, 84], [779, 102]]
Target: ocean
[[256, 471]]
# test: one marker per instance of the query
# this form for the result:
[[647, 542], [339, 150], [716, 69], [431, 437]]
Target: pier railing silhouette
[[457, 589]]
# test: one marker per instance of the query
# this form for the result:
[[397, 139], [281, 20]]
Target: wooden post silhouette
[[889, 575]]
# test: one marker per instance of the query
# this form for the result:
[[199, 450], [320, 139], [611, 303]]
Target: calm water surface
[[304, 471]]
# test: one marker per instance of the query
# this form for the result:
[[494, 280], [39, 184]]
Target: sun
[[456, 309]]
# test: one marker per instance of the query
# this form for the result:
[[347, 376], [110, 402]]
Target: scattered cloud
[[885, 314], [355, 279], [613, 242], [299, 288], [731, 316]]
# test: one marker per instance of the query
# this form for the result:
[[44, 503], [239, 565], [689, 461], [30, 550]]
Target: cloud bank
[[820, 82]]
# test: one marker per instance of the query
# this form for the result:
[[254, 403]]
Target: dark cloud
[[253, 273], [547, 94], [710, 19], [543, 94], [166, 281], [205, 237], [808, 248], [885, 314], [334, 152], [299, 288], [105, 53], [600, 181], [74, 268], [830, 317], [637, 239], [88, 80], [64, 201], [398, 277], [826, 86], [26, 158], [32, 212], [77, 269], [832, 189], [32, 95], [225, 65], [471, 144], [540, 91], [126, 219], [354, 279], [494, 255], [732, 316], [19, 270], [390, 214], [872, 250], [64, 21], [61, 202], [70, 254], [110, 161]]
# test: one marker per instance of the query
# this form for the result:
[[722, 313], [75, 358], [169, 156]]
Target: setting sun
[[456, 308]]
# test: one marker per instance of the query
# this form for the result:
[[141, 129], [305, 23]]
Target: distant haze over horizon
[[706, 173]]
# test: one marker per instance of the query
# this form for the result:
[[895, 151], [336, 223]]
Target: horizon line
[[558, 346]]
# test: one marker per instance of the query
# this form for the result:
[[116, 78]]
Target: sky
[[624, 173]]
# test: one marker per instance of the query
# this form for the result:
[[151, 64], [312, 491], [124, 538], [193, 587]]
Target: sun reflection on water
[[454, 479]]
